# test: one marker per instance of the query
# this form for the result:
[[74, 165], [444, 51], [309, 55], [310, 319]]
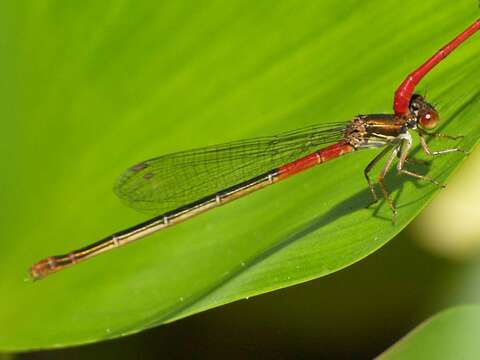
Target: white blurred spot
[[450, 225]]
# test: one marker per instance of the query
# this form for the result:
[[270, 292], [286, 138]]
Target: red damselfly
[[184, 184]]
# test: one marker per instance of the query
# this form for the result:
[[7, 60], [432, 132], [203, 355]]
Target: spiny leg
[[367, 170], [429, 152], [405, 148], [441, 135], [381, 182]]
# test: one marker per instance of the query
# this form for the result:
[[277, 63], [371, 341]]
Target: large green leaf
[[451, 334], [89, 88]]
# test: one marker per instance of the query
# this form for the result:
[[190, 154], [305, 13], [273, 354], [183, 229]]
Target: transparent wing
[[170, 181]]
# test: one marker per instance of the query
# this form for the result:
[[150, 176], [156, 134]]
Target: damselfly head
[[425, 114]]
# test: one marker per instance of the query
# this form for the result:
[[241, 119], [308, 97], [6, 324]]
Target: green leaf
[[90, 88], [451, 334]]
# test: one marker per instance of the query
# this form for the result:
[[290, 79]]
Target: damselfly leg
[[426, 148], [402, 150], [369, 168]]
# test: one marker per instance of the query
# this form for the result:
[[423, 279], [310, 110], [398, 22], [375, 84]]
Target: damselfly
[[184, 184]]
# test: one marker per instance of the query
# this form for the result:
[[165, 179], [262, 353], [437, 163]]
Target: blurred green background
[[89, 88]]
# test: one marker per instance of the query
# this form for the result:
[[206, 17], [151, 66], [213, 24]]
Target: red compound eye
[[428, 120]]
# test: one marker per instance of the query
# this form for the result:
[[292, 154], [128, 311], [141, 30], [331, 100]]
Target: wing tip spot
[[139, 167]]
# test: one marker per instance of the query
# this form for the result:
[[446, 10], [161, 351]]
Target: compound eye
[[428, 120]]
